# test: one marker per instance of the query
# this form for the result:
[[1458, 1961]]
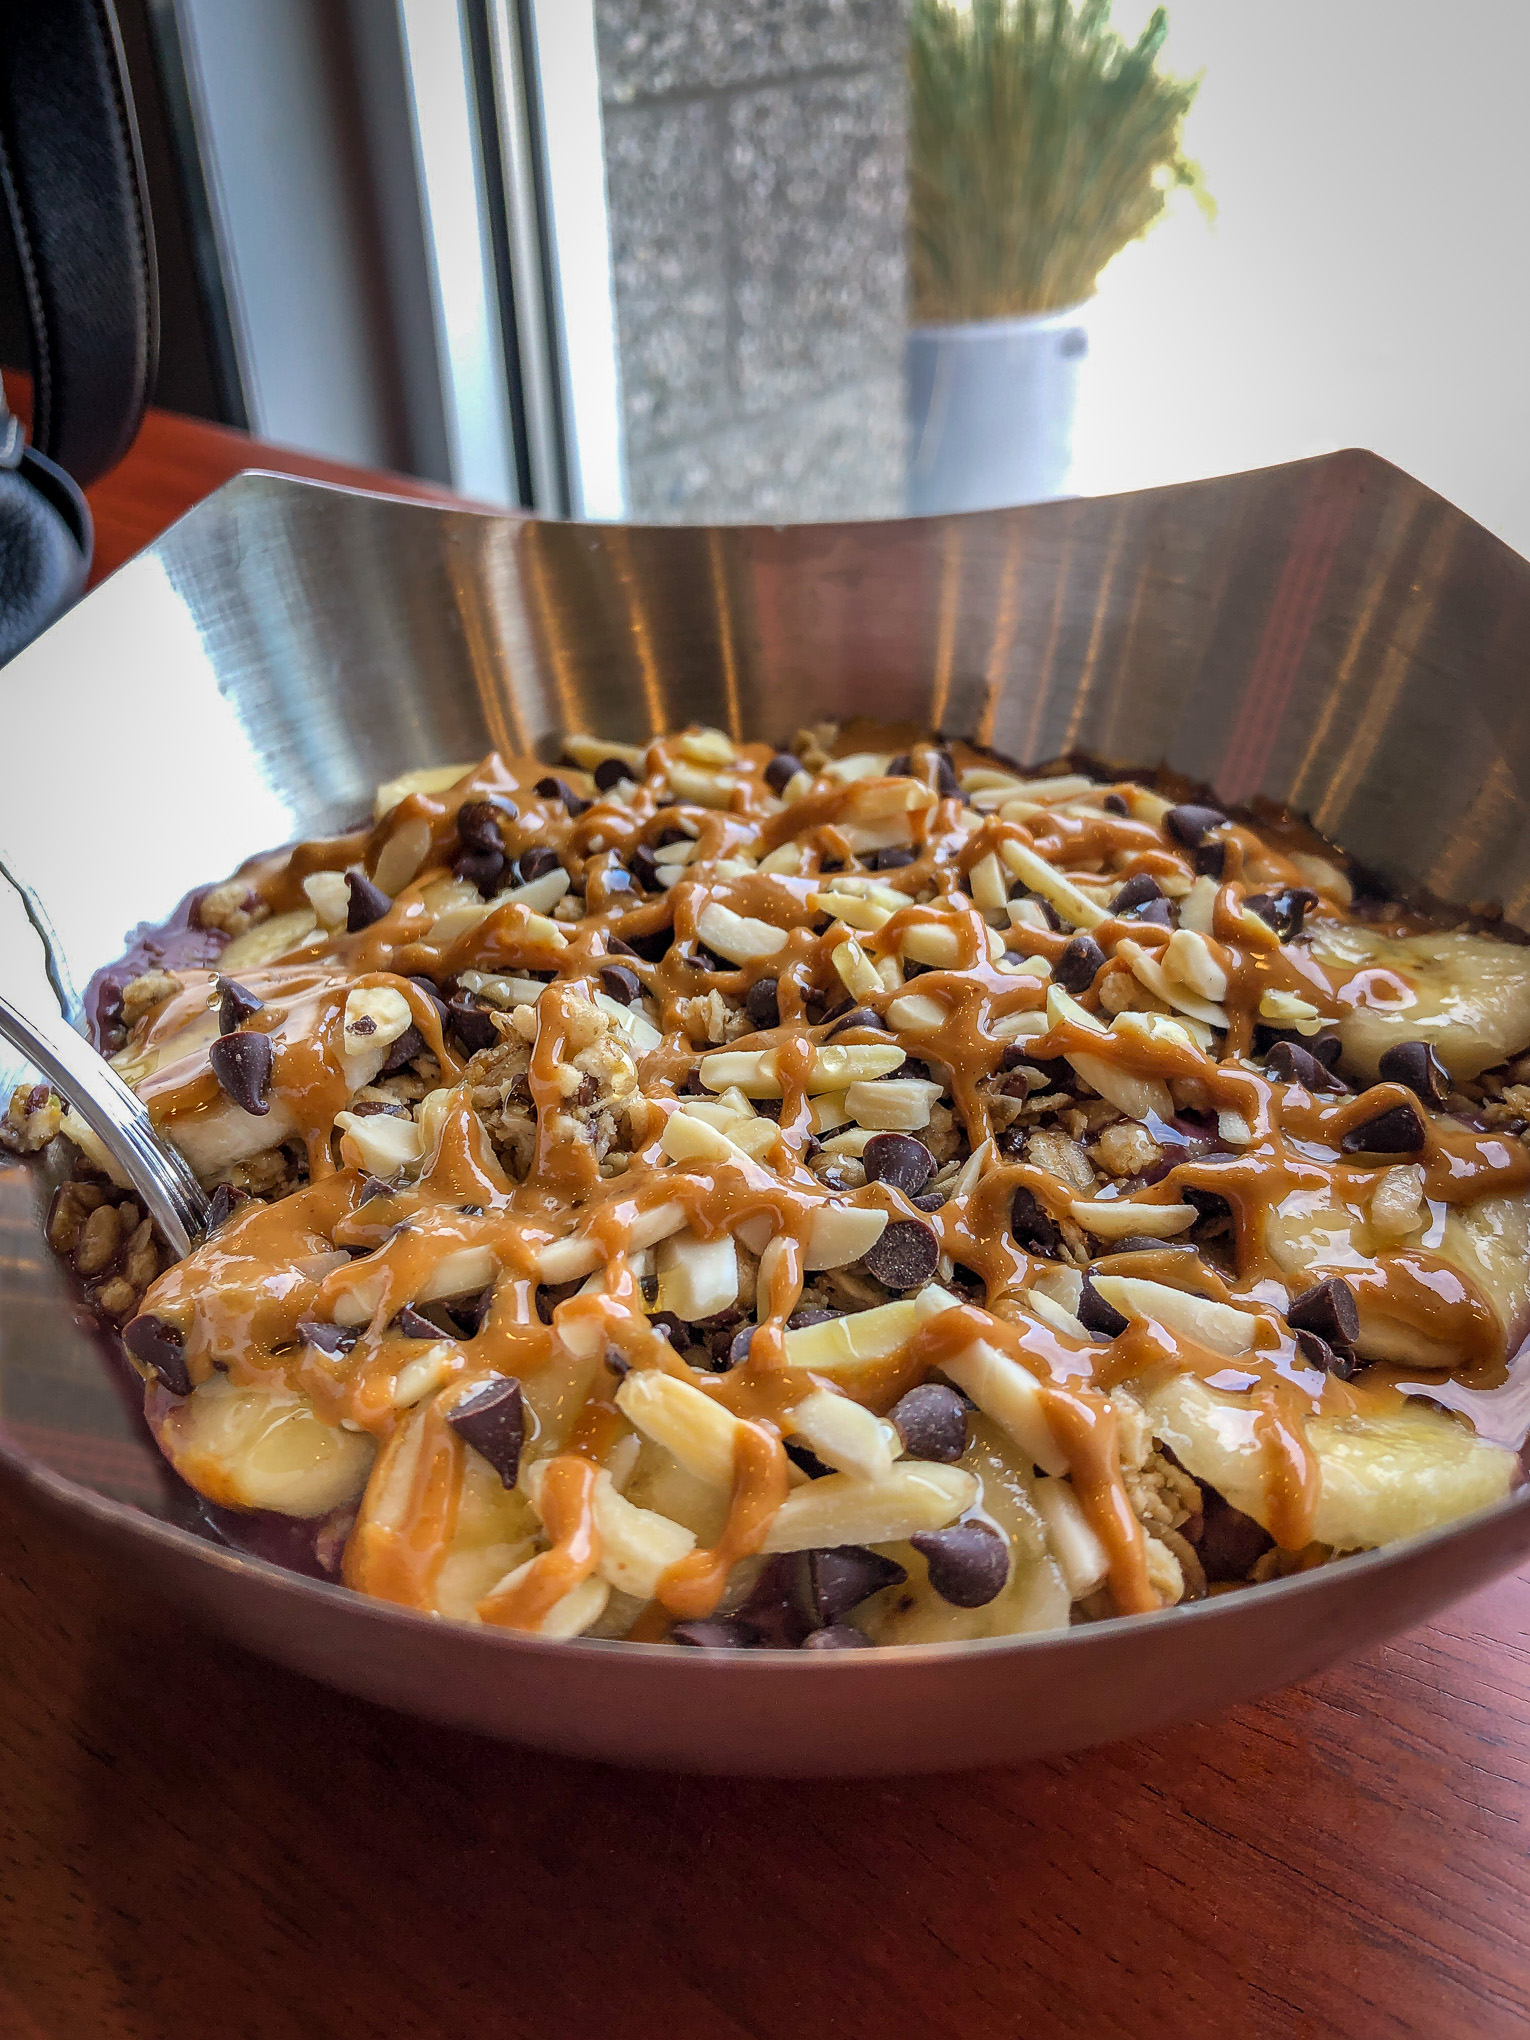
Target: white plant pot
[[991, 409]]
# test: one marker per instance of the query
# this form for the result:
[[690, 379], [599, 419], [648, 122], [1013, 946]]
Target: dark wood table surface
[[193, 1843]]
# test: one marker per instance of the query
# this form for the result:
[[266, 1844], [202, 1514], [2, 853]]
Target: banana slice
[[1470, 997], [1035, 1597], [263, 1448], [1488, 1242], [1383, 1477], [493, 1528]]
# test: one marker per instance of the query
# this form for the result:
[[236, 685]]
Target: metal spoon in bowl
[[161, 1178]]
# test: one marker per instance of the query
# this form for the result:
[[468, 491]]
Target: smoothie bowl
[[732, 1182]]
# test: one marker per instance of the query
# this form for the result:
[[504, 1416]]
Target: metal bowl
[[1329, 634]]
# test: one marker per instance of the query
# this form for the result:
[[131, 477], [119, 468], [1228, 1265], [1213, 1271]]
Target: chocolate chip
[[675, 1329], [372, 1189], [1191, 825], [892, 857], [553, 788], [403, 1052], [858, 1016], [467, 1313], [1137, 891], [1289, 1063], [839, 1637], [482, 868], [427, 986], [1330, 1308], [1096, 1315], [1031, 1225], [932, 1422], [806, 1460], [644, 868], [1284, 911], [472, 1026], [1113, 804], [1325, 1357], [811, 1315], [947, 785], [1415, 1064], [968, 1563], [929, 1200], [368, 902], [840, 1577], [331, 1339], [612, 772], [1082, 959], [905, 1256], [762, 1003], [492, 1419], [414, 1325], [898, 1159], [1211, 859], [737, 1350], [621, 984], [1398, 1131], [899, 767], [537, 862], [160, 1346], [478, 824], [242, 1063], [717, 1632], [1049, 913], [1230, 1543], [1144, 1243], [783, 768], [1327, 1048], [236, 1005], [224, 1202]]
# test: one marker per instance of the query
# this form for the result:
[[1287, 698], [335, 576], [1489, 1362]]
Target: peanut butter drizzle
[[241, 1297], [694, 1585], [568, 1512]]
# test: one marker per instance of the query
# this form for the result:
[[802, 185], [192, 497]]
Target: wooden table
[[195, 1844]]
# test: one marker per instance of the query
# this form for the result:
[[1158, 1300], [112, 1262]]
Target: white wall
[[1367, 281]]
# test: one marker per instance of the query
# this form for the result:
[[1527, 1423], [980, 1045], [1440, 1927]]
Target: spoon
[[161, 1177]]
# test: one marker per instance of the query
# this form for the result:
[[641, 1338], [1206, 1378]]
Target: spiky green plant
[[1041, 144]]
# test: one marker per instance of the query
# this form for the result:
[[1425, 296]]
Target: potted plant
[[1041, 144]]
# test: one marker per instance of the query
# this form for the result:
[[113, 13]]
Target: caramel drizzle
[[243, 1295]]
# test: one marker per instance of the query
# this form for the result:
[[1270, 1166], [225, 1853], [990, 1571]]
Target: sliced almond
[[844, 1346], [1009, 1393], [917, 1013], [1135, 1096], [845, 1435], [700, 788], [330, 897], [375, 1017], [1071, 902], [1117, 1218], [402, 855], [986, 879], [897, 1104], [1217, 1326], [1081, 1558], [738, 937], [699, 1432], [857, 972], [379, 1143], [842, 1509], [428, 779], [697, 1278]]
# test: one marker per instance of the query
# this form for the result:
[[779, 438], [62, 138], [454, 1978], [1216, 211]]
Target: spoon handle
[[171, 1194]]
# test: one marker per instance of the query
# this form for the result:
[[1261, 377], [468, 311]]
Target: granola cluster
[[850, 1194]]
